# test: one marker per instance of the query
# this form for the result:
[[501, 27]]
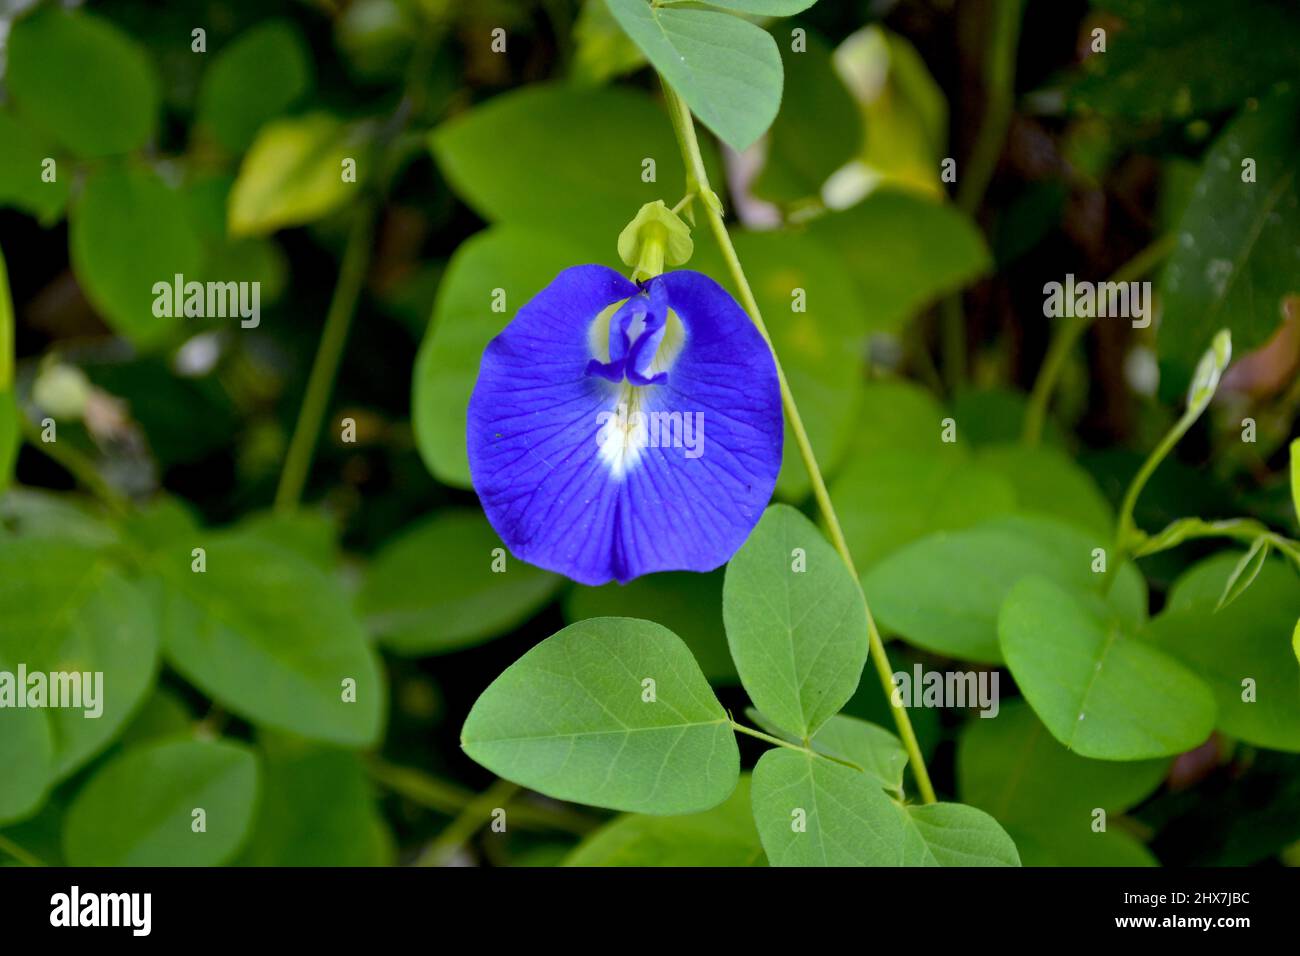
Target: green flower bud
[[654, 238]]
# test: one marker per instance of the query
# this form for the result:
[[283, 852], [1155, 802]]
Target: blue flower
[[619, 429]]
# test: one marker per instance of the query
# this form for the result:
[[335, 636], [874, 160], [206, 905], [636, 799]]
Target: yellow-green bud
[[654, 238]]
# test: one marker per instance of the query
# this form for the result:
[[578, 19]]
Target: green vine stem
[[302, 447], [697, 184], [1125, 529], [76, 464], [442, 797], [1204, 383], [470, 820], [6, 329], [1064, 341], [999, 82], [778, 742], [18, 853]]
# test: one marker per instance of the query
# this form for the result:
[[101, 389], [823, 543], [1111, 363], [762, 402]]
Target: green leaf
[[254, 79], [996, 416], [10, 422], [271, 637], [821, 346], [1048, 482], [726, 69], [162, 716], [872, 749], [1295, 477], [1013, 768], [31, 513], [722, 836], [759, 8], [112, 107], [591, 143], [65, 608], [1075, 843], [903, 108], [905, 251], [1246, 640], [688, 604], [818, 129], [893, 498], [293, 174], [943, 592], [21, 184], [1101, 693], [160, 522], [953, 834], [128, 231], [296, 827], [520, 262], [309, 534], [26, 753], [897, 415], [447, 583], [1232, 267], [1244, 573], [813, 812], [796, 623], [1173, 62], [572, 719], [138, 809]]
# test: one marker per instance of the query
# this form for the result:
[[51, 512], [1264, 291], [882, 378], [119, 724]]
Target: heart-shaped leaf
[[811, 811], [953, 834], [447, 583], [141, 809], [293, 174], [1101, 693], [1237, 229], [727, 69], [612, 712], [890, 500], [268, 634], [1012, 767], [112, 107], [66, 609], [722, 836], [129, 230], [943, 592], [254, 79], [26, 753], [1239, 648], [796, 623], [593, 144]]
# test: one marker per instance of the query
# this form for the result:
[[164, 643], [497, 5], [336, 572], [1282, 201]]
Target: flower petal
[[563, 495]]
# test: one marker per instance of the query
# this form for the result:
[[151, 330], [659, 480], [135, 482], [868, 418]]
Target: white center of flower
[[628, 426]]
